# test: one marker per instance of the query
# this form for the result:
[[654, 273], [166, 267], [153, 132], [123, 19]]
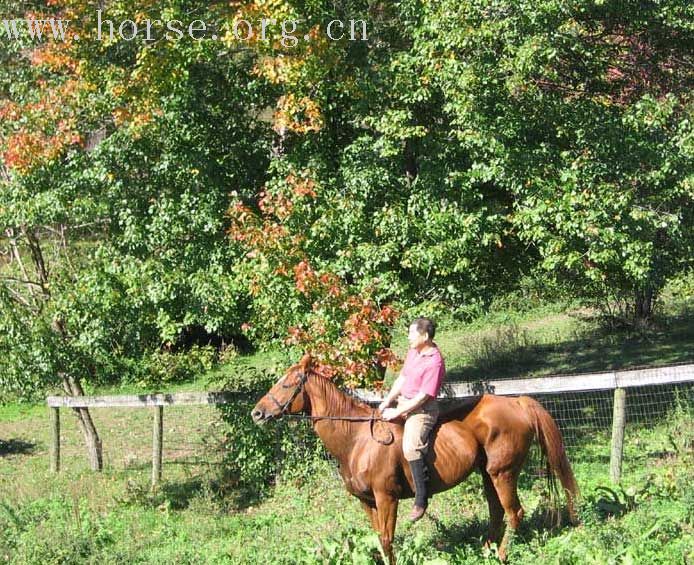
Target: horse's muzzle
[[259, 416]]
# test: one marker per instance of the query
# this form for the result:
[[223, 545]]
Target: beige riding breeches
[[418, 427]]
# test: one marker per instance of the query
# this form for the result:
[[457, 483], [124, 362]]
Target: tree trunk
[[73, 387], [410, 156], [643, 304]]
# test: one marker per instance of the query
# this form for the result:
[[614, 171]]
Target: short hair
[[425, 326]]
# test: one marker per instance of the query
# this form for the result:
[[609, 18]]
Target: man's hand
[[390, 414], [383, 405]]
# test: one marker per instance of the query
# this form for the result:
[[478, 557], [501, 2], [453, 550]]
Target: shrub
[[258, 456]]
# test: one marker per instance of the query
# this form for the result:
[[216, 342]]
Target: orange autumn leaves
[[297, 114], [129, 96], [348, 332], [44, 124], [341, 325], [297, 68], [40, 131]]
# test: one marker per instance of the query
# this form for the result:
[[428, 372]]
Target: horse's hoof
[[417, 513]]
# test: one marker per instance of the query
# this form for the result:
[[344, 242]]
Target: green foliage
[[597, 159], [355, 546], [164, 368], [438, 167], [115, 237], [259, 456]]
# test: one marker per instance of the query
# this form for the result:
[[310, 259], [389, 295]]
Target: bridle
[[299, 387]]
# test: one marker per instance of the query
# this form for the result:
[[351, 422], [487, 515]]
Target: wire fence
[[191, 438], [195, 436], [582, 415]]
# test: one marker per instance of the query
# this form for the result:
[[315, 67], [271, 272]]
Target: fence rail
[[618, 381], [142, 400], [609, 380]]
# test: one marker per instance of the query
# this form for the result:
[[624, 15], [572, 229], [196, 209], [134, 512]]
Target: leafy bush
[[258, 456], [298, 302], [354, 546], [165, 367]]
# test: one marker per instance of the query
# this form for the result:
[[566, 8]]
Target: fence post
[[157, 444], [55, 443], [618, 423]]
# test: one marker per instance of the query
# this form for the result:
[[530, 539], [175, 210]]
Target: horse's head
[[287, 396]]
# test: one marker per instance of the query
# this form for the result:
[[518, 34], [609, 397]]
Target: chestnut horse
[[491, 435]]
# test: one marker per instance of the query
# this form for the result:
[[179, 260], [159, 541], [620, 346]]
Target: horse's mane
[[344, 401]]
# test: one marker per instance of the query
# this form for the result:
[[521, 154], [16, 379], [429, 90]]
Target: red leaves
[[350, 334], [344, 329], [304, 276], [388, 315], [22, 148], [302, 186], [277, 205], [9, 111], [386, 357], [53, 57]]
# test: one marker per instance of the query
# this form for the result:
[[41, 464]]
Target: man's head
[[422, 331]]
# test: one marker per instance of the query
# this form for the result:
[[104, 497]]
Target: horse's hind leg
[[496, 510], [506, 484]]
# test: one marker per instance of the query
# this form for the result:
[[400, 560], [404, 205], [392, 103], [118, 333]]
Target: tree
[[117, 163], [581, 114]]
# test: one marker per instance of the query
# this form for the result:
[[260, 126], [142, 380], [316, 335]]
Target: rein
[[347, 418], [303, 377]]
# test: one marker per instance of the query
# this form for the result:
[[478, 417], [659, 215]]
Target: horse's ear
[[306, 363]]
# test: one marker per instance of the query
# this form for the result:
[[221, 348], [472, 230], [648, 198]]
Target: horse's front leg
[[370, 509], [386, 517]]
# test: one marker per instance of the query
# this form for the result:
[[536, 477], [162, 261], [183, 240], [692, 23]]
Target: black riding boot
[[418, 468]]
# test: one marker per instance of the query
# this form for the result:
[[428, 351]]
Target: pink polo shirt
[[423, 373]]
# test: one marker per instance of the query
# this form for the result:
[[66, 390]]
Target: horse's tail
[[552, 445]]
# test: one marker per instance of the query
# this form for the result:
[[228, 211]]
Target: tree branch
[[22, 281], [37, 256], [18, 257], [21, 300]]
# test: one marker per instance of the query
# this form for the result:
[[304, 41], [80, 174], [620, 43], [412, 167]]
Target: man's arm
[[393, 394], [412, 404]]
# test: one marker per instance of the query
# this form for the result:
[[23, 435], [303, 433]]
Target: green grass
[[17, 412], [111, 517], [197, 516]]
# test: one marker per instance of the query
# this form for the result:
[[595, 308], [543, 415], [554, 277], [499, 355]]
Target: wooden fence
[[619, 381]]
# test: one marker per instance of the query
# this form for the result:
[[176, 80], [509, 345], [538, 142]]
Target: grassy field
[[197, 517]]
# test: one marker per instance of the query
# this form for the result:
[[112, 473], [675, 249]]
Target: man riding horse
[[491, 434], [415, 390]]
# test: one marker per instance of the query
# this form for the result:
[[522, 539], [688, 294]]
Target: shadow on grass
[[468, 532], [220, 491], [16, 447], [513, 353], [474, 532]]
